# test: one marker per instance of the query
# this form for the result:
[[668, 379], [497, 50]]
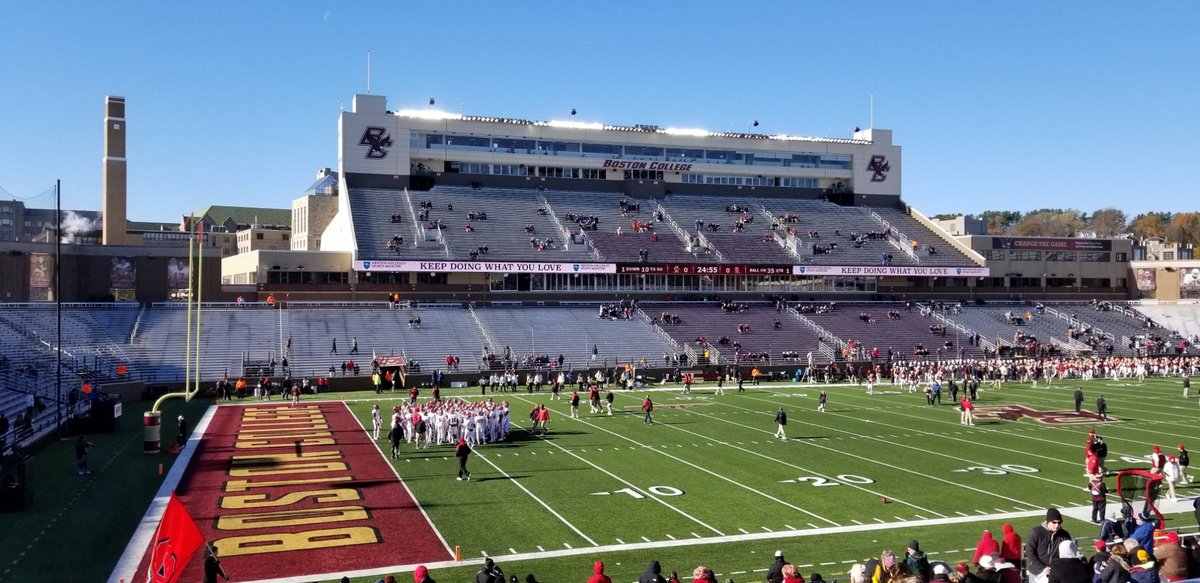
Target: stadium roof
[[150, 226], [245, 215]]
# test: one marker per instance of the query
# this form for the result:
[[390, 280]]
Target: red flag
[[175, 541]]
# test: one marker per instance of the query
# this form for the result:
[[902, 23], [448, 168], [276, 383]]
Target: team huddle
[[444, 422]]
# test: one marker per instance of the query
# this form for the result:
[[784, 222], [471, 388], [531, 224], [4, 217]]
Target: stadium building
[[478, 207]]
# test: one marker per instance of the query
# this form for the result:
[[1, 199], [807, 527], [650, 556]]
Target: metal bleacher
[[508, 210], [572, 332], [902, 335], [669, 248], [828, 222], [754, 243], [712, 323]]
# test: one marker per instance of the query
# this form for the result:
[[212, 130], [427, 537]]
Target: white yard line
[[710, 472], [873, 461], [514, 482]]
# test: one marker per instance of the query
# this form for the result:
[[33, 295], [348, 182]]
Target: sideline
[[127, 565], [1078, 512]]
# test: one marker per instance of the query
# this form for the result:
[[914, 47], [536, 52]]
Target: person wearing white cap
[[1006, 572], [858, 573], [181, 436], [1069, 567], [775, 571]]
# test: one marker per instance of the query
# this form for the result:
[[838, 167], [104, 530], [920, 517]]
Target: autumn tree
[[1108, 222], [1150, 225], [1184, 228], [999, 222], [1050, 223]]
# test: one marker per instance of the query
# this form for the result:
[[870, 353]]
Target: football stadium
[[506, 348]]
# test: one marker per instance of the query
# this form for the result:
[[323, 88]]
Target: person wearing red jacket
[[647, 408], [598, 575], [462, 451], [1010, 545], [543, 419], [986, 546]]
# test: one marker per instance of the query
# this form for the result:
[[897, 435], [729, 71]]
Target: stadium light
[[428, 114], [577, 125], [697, 132]]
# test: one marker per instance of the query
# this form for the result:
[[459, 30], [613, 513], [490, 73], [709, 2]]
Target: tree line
[[1106, 222]]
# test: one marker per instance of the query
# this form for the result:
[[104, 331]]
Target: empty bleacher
[[572, 332], [945, 255], [509, 211], [1183, 317]]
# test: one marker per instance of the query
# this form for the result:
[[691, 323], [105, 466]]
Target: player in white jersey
[[376, 420]]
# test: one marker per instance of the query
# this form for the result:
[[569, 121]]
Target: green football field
[[708, 483]]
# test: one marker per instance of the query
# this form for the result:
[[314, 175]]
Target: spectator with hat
[[1143, 533], [775, 571], [1171, 558], [917, 561], [1069, 567], [999, 569], [1042, 546], [490, 573], [1142, 568], [941, 573], [858, 573], [598, 575], [986, 546]]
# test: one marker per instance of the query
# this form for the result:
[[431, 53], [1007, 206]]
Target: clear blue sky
[[1013, 105]]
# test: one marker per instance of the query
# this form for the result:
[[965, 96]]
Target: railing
[[687, 236], [418, 228], [829, 336], [487, 336], [785, 240], [68, 305], [897, 238], [565, 231], [941, 233], [137, 324], [1079, 324]]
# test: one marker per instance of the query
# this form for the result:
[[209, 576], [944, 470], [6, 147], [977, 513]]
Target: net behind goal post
[[1135, 485]]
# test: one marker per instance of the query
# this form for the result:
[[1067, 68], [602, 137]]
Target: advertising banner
[[891, 270], [483, 267], [1147, 279], [1051, 244], [1190, 280], [123, 273], [177, 273], [41, 270]]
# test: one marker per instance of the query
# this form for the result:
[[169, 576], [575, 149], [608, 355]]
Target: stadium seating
[[1184, 318], [945, 253], [572, 332], [833, 223], [902, 335], [669, 248], [754, 243], [711, 322]]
